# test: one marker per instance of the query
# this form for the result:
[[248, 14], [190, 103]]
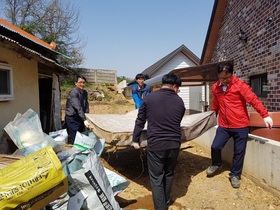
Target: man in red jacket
[[230, 96]]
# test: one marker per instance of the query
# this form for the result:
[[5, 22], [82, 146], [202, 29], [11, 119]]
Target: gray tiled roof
[[150, 71]]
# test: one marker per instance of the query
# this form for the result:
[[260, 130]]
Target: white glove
[[268, 122], [86, 123], [135, 145]]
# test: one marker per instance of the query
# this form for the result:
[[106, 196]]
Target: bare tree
[[52, 21]]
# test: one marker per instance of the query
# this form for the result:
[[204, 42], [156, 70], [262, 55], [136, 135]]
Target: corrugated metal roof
[[31, 51], [30, 43], [25, 34], [8, 26]]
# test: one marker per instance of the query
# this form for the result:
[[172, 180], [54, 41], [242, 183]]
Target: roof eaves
[[26, 35], [213, 30], [23, 33], [33, 52], [151, 70], [190, 55], [193, 75]]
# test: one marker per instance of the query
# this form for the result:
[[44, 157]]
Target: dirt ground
[[192, 190]]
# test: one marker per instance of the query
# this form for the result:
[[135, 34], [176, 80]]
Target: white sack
[[94, 184]]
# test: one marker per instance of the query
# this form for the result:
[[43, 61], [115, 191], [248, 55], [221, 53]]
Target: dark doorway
[[45, 95]]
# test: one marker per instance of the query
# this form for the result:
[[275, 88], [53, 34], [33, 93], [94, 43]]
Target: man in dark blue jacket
[[164, 111], [140, 90], [76, 107]]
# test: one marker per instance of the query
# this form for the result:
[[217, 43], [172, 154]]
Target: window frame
[[10, 85], [258, 84]]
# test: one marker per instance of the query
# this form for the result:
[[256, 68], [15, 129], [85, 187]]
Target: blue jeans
[[240, 137]]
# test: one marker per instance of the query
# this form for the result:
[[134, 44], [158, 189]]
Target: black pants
[[240, 137], [73, 125], [161, 165]]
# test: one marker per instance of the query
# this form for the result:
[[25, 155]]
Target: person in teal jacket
[[140, 90]]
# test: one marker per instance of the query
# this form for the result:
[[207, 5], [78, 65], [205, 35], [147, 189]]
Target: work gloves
[[86, 124], [268, 122], [135, 145]]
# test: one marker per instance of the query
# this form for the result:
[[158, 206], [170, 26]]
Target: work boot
[[235, 182], [211, 170], [169, 202]]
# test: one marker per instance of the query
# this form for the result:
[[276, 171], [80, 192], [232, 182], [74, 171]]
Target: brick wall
[[261, 53]]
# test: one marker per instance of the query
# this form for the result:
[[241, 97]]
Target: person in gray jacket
[[164, 111], [76, 107]]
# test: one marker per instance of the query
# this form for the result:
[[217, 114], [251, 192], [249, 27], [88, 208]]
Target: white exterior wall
[[185, 95], [179, 61]]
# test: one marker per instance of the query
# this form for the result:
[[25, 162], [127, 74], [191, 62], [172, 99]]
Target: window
[[259, 84], [6, 82]]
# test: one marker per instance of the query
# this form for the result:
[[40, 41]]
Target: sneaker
[[211, 170], [235, 182]]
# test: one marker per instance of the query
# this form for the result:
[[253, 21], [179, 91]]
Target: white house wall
[[193, 97], [179, 61], [185, 95]]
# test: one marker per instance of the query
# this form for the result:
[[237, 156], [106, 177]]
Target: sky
[[130, 35]]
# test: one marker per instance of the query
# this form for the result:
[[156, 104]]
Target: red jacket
[[231, 105]]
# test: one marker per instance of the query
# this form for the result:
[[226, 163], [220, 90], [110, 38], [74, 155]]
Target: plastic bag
[[117, 182], [27, 134], [84, 142], [60, 135]]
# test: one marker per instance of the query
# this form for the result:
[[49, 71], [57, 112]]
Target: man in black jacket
[[76, 107], [163, 110]]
